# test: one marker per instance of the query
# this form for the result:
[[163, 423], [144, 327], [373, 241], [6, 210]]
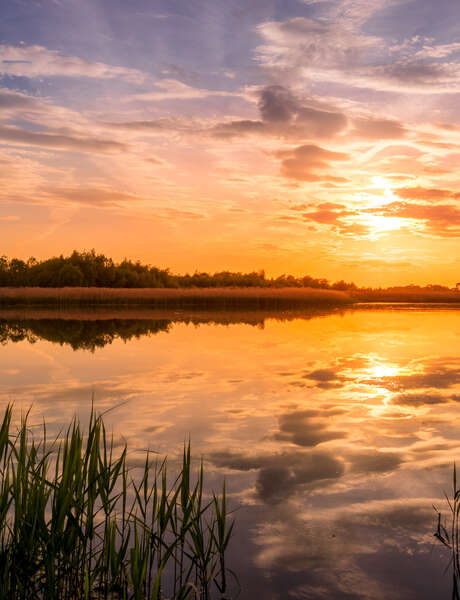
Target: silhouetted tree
[[90, 269]]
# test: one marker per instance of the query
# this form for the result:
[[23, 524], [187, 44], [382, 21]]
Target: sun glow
[[379, 370], [369, 204], [382, 184], [379, 224]]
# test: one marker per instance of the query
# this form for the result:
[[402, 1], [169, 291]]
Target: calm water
[[336, 433]]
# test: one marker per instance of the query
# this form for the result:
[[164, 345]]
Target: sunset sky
[[298, 136]]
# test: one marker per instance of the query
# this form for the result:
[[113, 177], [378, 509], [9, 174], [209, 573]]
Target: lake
[[335, 432]]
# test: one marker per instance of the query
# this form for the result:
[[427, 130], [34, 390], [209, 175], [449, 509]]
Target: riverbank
[[409, 295], [254, 298], [216, 298]]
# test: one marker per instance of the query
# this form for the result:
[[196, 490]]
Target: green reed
[[76, 523], [449, 535]]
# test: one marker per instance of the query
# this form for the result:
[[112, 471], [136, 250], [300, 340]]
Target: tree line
[[89, 269]]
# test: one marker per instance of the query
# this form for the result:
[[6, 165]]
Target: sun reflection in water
[[378, 370]]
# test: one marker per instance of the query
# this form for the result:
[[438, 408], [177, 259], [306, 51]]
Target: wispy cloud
[[16, 135], [13, 100], [173, 89], [38, 61], [440, 220], [337, 50]]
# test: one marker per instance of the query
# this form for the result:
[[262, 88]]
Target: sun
[[379, 370], [381, 183], [379, 224], [368, 205]]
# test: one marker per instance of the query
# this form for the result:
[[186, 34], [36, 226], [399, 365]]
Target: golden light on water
[[376, 371], [379, 370]]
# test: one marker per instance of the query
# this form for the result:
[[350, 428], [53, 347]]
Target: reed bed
[[227, 298], [406, 295], [75, 523]]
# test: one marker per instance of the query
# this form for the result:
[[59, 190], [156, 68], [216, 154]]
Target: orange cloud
[[427, 194], [307, 163]]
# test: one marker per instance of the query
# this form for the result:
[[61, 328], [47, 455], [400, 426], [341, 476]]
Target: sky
[[295, 136]]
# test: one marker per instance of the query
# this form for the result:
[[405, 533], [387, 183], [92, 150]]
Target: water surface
[[335, 432]]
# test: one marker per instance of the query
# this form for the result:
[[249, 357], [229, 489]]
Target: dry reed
[[421, 295], [173, 297]]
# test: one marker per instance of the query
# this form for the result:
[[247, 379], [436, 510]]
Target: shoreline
[[253, 298]]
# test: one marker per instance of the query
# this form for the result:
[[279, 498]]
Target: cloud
[[282, 475], [378, 129], [96, 197], [240, 128], [316, 123], [347, 222], [324, 378], [107, 198], [415, 74], [12, 100], [276, 104], [104, 391], [439, 51], [374, 461], [416, 400], [378, 548], [441, 220], [336, 49], [447, 126], [398, 151], [290, 473], [301, 44], [162, 125], [304, 162], [326, 214], [427, 194], [322, 375], [306, 428], [173, 89], [38, 61], [282, 114], [436, 377], [16, 135]]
